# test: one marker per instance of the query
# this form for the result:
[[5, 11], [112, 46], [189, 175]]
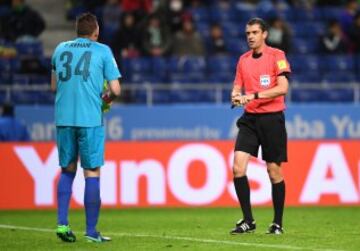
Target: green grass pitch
[[306, 228]]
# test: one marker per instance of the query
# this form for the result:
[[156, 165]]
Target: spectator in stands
[[347, 17], [216, 43], [355, 33], [333, 41], [10, 128], [126, 40], [140, 8], [110, 19], [279, 35], [156, 37], [174, 11], [23, 23], [188, 41]]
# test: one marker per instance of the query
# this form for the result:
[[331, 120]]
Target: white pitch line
[[180, 238]]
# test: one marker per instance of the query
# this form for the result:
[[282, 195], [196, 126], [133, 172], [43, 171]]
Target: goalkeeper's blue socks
[[64, 191], [92, 204]]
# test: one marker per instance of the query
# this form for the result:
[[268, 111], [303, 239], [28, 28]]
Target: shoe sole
[[247, 232], [62, 237], [93, 240]]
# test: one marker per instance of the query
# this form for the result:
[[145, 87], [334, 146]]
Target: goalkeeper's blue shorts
[[88, 142]]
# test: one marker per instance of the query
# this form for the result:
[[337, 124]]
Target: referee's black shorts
[[267, 130]]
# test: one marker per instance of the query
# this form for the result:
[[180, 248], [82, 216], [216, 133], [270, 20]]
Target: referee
[[261, 82]]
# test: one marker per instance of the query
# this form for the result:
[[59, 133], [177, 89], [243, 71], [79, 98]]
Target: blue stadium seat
[[323, 95], [232, 29], [5, 65], [46, 97], [136, 69], [306, 77], [237, 46], [221, 63], [304, 63], [338, 77], [330, 13], [203, 29], [160, 69], [200, 14], [192, 96], [307, 15], [3, 96], [307, 29], [339, 95], [219, 15], [305, 46], [141, 78], [26, 97], [221, 77], [337, 63], [187, 78], [30, 48], [187, 64], [161, 96], [40, 80], [5, 78], [20, 79]]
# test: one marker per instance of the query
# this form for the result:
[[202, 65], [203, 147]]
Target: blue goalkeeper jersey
[[81, 66]]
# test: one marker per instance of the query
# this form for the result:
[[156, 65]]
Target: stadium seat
[[307, 29], [137, 65], [337, 63], [232, 29], [219, 15], [334, 77], [200, 14], [26, 97], [221, 63], [187, 78], [5, 65], [5, 78], [203, 29], [330, 13], [30, 48], [304, 63], [159, 68], [20, 79], [40, 80], [236, 46], [306, 77], [305, 46], [221, 77], [187, 64], [323, 95]]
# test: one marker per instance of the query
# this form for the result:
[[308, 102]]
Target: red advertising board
[[182, 174]]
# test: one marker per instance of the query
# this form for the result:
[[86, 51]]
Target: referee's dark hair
[[257, 20], [86, 24]]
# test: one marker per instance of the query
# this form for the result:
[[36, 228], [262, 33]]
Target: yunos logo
[[120, 180]]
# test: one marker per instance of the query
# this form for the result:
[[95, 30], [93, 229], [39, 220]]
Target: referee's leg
[[278, 191], [241, 183]]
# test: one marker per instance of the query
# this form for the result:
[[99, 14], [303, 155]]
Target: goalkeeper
[[80, 68]]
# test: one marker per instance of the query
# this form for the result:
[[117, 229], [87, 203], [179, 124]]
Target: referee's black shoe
[[243, 226], [275, 229]]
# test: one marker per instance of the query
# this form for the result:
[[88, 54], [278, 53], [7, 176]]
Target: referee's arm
[[280, 89], [53, 81]]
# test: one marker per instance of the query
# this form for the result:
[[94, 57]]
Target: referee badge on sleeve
[[281, 64], [264, 80]]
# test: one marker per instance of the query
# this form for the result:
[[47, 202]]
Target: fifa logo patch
[[281, 64], [264, 80]]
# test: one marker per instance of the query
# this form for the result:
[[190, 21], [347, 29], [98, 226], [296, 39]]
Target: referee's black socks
[[242, 188], [278, 198]]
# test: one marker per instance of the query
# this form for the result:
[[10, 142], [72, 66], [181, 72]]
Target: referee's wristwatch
[[256, 95]]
